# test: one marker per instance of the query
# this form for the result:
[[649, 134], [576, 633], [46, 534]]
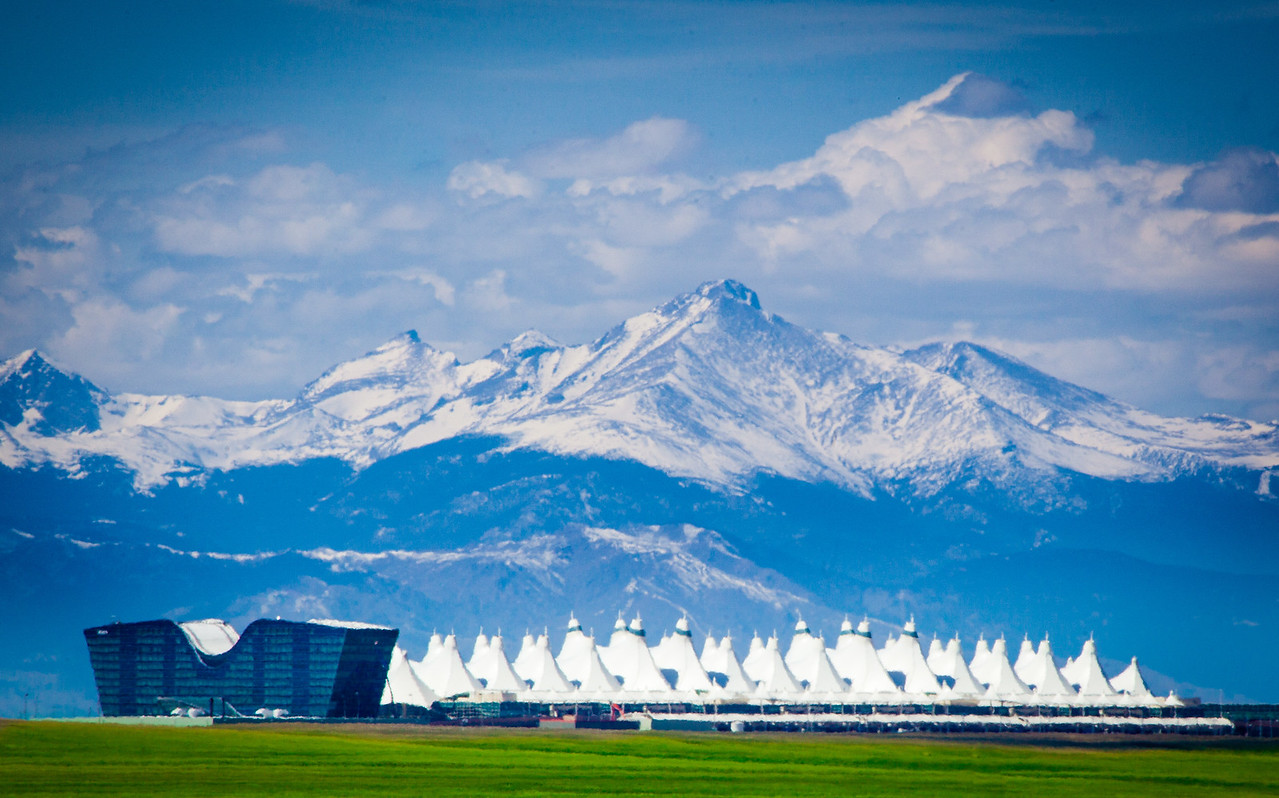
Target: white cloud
[[443, 289], [1238, 372], [640, 148], [280, 210], [207, 182], [488, 293], [1156, 282], [478, 178], [938, 196], [406, 217], [58, 261], [112, 333]]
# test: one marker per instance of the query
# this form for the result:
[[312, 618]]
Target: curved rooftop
[[210, 636]]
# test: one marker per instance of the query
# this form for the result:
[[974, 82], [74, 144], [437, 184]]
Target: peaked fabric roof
[[1042, 672], [480, 655], [951, 661], [855, 658], [446, 674], [545, 675], [823, 678], [676, 653], [629, 669], [1130, 681], [575, 653], [496, 670], [936, 654], [403, 685], [1003, 679], [628, 658], [525, 662], [805, 653], [1025, 656], [1087, 669], [775, 678], [753, 664], [981, 663], [595, 678], [907, 657], [735, 680]]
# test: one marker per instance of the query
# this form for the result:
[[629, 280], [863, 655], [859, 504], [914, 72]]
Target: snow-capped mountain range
[[705, 458], [708, 386]]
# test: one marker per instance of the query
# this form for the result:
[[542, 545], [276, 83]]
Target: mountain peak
[[406, 340], [730, 290], [50, 399], [403, 359], [20, 361], [530, 340]]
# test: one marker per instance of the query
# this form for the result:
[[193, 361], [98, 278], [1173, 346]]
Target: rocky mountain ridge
[[708, 386]]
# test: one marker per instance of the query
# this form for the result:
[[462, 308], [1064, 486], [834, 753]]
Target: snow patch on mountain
[[708, 386]]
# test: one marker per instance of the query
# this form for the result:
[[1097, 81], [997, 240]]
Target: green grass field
[[285, 759]]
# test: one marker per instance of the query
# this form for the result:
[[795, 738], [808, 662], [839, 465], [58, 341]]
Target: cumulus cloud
[[979, 96], [56, 260], [637, 150], [965, 213], [110, 331], [280, 210], [1241, 180], [478, 178]]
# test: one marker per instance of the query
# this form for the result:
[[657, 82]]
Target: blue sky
[[227, 198]]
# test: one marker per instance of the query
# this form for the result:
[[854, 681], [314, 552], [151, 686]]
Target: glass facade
[[311, 669]]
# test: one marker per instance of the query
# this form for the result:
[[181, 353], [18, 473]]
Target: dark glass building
[[329, 669]]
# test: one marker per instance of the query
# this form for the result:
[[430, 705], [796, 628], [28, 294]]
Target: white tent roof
[[677, 654], [1003, 679], [1087, 669], [937, 657], [527, 659], [1043, 674], [403, 685], [919, 679], [775, 680], [753, 665], [497, 671], [736, 682], [575, 654], [433, 649], [805, 653], [595, 678], [905, 656], [628, 658], [1131, 682], [710, 653], [614, 654], [446, 674], [950, 663], [1025, 656], [888, 655], [545, 675], [981, 663], [480, 655], [824, 679], [855, 659], [1068, 671], [664, 653]]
